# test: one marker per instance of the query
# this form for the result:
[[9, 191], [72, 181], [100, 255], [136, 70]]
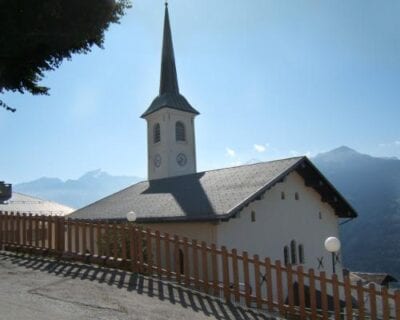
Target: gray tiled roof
[[27, 204], [209, 195]]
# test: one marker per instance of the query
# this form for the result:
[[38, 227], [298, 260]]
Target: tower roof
[[169, 96]]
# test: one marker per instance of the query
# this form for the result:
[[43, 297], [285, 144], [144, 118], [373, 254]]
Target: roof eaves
[[262, 190]]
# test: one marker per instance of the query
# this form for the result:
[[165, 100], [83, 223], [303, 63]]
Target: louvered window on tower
[[156, 133], [180, 131]]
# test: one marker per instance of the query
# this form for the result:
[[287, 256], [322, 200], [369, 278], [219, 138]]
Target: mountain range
[[371, 242], [90, 187]]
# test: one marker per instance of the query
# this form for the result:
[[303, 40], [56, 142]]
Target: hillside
[[372, 185], [77, 193]]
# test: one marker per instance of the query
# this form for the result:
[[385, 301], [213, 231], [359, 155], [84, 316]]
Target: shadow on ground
[[132, 282]]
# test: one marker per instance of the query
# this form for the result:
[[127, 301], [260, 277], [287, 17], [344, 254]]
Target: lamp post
[[131, 216], [332, 244]]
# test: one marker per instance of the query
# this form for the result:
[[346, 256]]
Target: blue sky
[[271, 79]]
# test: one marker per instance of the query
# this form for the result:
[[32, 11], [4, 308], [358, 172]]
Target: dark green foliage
[[37, 35]]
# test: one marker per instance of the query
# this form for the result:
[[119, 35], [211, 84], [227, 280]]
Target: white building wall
[[278, 221], [168, 148]]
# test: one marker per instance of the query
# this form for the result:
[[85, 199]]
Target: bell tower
[[171, 148]]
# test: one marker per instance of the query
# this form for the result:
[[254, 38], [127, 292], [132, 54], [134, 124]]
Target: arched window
[[282, 195], [286, 255], [301, 254], [253, 216], [156, 133], [296, 196], [293, 251], [180, 131]]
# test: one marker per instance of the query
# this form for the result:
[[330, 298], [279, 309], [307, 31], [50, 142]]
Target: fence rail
[[238, 277]]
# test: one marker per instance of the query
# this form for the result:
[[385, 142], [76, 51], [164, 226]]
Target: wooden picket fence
[[234, 276]]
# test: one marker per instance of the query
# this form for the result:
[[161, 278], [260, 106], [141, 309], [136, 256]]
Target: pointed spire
[[169, 96], [168, 79]]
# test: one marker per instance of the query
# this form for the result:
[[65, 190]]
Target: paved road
[[35, 288]]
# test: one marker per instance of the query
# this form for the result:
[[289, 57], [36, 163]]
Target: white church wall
[[279, 221], [168, 148]]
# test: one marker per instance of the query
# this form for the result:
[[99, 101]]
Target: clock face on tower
[[157, 160], [181, 159]]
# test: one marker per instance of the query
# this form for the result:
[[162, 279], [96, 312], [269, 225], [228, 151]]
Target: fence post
[[289, 276], [372, 300], [268, 280], [24, 229], [279, 287], [313, 298], [149, 252], [132, 247], [235, 272], [257, 279], [204, 266], [60, 235], [167, 255], [336, 301], [225, 272], [385, 304], [397, 304], [246, 278], [324, 297], [300, 279], [158, 253], [1, 230], [214, 263], [195, 259], [186, 263], [347, 294]]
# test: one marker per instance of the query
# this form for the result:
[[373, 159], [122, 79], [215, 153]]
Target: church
[[282, 209]]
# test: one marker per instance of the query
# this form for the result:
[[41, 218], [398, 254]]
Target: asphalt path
[[36, 288]]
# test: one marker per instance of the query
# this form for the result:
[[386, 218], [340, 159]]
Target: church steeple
[[168, 79], [169, 96], [171, 143]]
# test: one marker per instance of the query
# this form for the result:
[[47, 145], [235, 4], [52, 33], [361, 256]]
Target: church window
[[282, 195], [253, 216], [180, 131], [286, 255], [296, 196], [156, 133], [301, 254], [293, 253]]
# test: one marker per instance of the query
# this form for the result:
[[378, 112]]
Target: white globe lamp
[[131, 216], [332, 245]]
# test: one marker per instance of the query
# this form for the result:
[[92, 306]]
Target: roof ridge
[[227, 168]]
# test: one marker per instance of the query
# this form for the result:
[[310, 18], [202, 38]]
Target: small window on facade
[[156, 133], [253, 216], [301, 254], [320, 215], [296, 196], [180, 131], [286, 255], [293, 252], [282, 195]]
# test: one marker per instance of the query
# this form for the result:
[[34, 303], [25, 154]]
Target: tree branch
[[7, 107]]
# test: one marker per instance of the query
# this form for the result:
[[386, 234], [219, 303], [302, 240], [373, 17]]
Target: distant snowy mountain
[[90, 187], [372, 185]]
